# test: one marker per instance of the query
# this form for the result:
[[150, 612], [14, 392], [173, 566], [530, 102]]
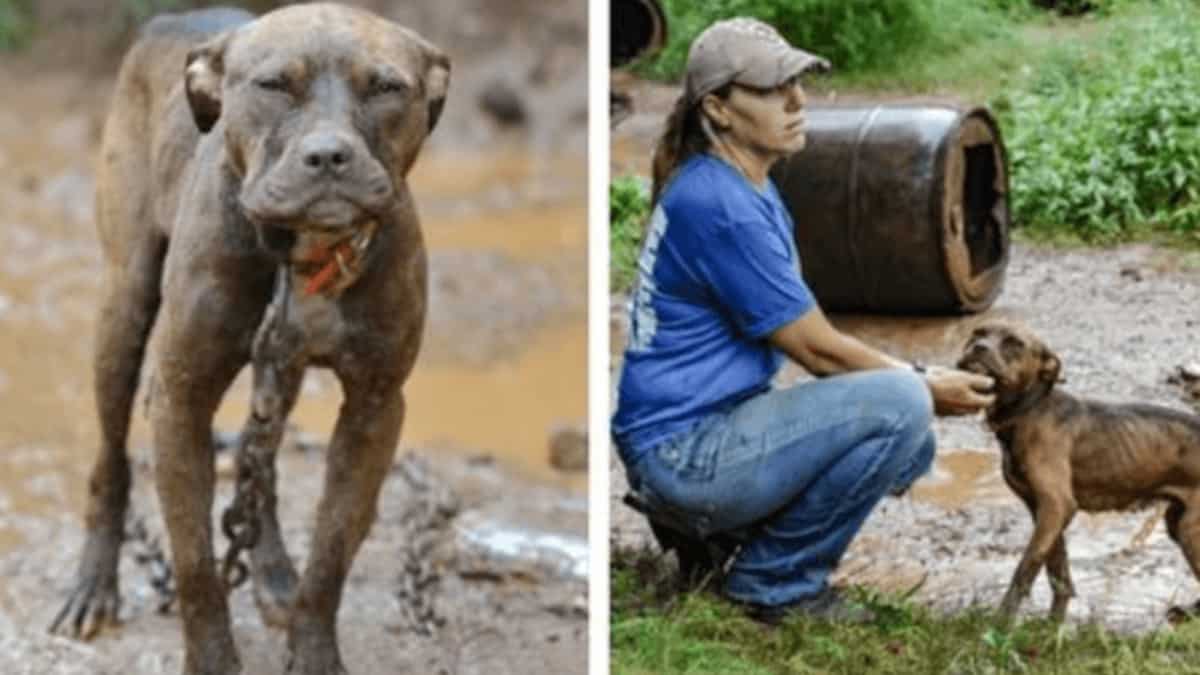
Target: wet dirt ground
[[503, 365], [1122, 320]]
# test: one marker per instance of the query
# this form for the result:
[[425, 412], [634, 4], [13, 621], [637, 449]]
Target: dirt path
[[503, 365], [1122, 320]]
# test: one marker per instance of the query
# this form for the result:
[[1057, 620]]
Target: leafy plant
[[628, 207], [1106, 143]]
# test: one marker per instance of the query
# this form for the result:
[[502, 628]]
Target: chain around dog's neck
[[330, 266]]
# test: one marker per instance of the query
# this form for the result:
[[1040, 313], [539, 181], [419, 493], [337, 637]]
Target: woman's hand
[[957, 392]]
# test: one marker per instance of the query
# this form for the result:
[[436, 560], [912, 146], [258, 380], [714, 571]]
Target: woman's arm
[[821, 349]]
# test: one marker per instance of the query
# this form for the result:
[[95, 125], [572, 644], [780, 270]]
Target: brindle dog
[[1063, 453], [234, 144]]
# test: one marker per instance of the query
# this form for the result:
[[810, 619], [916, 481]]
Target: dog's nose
[[326, 151]]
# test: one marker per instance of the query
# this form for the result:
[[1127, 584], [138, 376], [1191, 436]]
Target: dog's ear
[[203, 73], [436, 81], [1050, 368]]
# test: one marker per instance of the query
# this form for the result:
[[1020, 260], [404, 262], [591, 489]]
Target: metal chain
[[149, 554], [425, 523], [253, 492]]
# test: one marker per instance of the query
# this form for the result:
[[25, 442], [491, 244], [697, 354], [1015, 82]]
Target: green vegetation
[[856, 35], [1104, 140], [628, 208], [15, 23], [1099, 113], [656, 630]]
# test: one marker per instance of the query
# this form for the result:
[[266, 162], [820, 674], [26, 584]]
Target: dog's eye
[[1011, 347], [382, 86], [273, 83]]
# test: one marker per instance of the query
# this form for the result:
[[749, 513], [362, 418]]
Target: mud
[[1122, 320], [503, 367]]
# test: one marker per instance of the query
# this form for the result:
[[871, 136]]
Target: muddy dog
[[1062, 454], [237, 147]]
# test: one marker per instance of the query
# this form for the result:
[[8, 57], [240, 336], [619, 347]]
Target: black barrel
[[637, 28], [900, 208]]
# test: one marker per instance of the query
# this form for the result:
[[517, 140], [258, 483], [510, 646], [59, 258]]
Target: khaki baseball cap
[[746, 51]]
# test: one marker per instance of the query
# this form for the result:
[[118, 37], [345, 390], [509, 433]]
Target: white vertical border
[[598, 379]]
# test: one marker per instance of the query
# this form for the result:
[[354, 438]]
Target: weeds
[[628, 207], [1105, 140], [1098, 113], [662, 629]]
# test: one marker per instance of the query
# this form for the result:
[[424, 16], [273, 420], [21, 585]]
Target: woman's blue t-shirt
[[718, 272]]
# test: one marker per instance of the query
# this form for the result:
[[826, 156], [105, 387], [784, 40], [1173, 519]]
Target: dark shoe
[[828, 605]]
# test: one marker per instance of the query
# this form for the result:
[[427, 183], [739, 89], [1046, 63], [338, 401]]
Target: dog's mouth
[[326, 213], [982, 363], [331, 214], [986, 363]]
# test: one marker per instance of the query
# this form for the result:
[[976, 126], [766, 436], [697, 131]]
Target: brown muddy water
[[503, 364], [1121, 320]]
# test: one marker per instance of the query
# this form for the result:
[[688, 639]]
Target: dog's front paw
[[95, 601], [315, 662], [1177, 615], [1009, 606], [313, 650]]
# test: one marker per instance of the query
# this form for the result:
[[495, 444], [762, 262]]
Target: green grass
[[658, 628]]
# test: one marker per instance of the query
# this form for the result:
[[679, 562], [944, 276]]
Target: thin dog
[[1062, 454], [236, 147]]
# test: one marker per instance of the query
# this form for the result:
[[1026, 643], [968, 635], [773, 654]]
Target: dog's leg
[[1183, 524], [1058, 568], [130, 305], [203, 346], [1173, 516], [1053, 512], [360, 456]]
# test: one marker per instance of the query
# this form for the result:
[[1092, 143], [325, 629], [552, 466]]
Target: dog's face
[[323, 110], [1012, 356]]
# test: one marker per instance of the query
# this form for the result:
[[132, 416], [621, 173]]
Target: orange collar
[[332, 266]]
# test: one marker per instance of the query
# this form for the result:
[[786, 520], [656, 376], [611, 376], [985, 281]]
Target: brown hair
[[682, 137]]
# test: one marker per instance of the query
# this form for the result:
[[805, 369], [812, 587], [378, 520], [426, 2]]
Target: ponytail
[[682, 137], [668, 151]]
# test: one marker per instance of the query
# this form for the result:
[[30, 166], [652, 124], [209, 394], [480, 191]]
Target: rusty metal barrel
[[900, 208]]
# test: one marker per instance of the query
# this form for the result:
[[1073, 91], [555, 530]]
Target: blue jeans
[[808, 462]]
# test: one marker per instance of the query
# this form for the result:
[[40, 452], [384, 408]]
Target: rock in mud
[[503, 103], [569, 448]]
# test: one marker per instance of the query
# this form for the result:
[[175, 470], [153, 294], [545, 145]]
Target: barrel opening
[[982, 204], [637, 29]]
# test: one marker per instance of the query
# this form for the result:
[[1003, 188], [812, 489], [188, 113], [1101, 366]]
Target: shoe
[[828, 605]]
